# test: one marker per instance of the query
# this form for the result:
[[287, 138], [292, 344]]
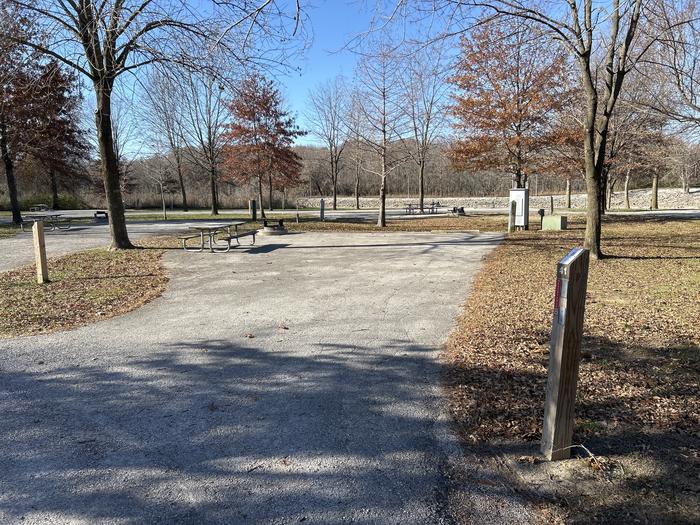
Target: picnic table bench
[[220, 244]]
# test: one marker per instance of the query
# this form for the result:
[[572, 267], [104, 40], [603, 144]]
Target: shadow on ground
[[209, 432]]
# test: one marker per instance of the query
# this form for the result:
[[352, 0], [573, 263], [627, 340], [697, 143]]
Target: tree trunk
[[611, 189], [9, 174], [655, 190], [381, 220], [334, 180], [162, 202], [110, 166], [178, 164], [567, 199], [212, 188], [357, 186], [602, 189], [421, 184], [284, 199], [627, 189], [54, 189], [260, 197], [269, 188]]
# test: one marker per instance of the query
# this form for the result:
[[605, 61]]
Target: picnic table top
[[211, 227], [39, 216]]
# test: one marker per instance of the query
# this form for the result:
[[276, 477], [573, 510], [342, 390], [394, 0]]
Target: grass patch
[[639, 396], [85, 287], [8, 230]]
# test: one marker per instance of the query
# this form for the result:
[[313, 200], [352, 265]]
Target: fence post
[[564, 354], [42, 270], [511, 217], [253, 209]]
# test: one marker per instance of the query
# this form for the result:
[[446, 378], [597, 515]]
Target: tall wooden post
[[511, 216], [551, 205], [253, 209], [42, 270], [323, 210], [564, 354]]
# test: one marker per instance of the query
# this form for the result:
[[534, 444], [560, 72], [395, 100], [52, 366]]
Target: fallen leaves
[[85, 287]]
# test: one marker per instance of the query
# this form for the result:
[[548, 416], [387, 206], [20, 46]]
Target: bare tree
[[328, 109], [204, 124], [606, 39], [104, 39], [425, 88], [378, 83], [164, 116]]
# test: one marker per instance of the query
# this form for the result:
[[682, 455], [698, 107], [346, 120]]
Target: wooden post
[[253, 209], [297, 212], [511, 217], [551, 205], [323, 210], [42, 270], [564, 354]]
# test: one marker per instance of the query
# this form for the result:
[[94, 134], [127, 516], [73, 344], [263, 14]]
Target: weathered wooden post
[[253, 209], [511, 217], [323, 210], [551, 205], [297, 212], [42, 270], [564, 354]]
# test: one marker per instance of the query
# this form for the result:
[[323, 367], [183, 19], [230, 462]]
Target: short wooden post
[[511, 217], [42, 270], [253, 209], [323, 210], [551, 205], [564, 354]]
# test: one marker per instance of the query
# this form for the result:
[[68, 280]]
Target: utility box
[[521, 197], [554, 222]]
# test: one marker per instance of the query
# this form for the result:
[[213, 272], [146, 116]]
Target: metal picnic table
[[53, 220], [210, 231]]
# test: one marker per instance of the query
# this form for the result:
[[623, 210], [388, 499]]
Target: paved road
[[19, 250], [294, 382]]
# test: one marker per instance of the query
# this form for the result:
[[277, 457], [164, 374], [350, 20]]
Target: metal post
[[253, 209], [42, 270], [511, 217], [564, 354], [323, 210]]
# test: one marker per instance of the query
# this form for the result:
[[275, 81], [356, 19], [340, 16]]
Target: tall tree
[[379, 106], [204, 125], [165, 118], [606, 39], [105, 39], [261, 134], [326, 117], [511, 87], [425, 88]]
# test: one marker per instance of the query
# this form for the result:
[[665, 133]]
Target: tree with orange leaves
[[261, 135], [510, 88]]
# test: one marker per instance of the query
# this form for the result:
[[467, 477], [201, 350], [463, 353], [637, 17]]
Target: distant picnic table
[[412, 208], [207, 234], [54, 220]]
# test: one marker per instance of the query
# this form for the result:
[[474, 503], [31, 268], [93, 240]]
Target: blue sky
[[332, 23]]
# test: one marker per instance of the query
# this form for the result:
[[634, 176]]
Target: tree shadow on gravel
[[211, 432]]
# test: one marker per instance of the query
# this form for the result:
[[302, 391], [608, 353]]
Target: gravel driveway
[[295, 382]]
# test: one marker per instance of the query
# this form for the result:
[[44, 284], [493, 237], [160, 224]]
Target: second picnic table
[[211, 231]]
